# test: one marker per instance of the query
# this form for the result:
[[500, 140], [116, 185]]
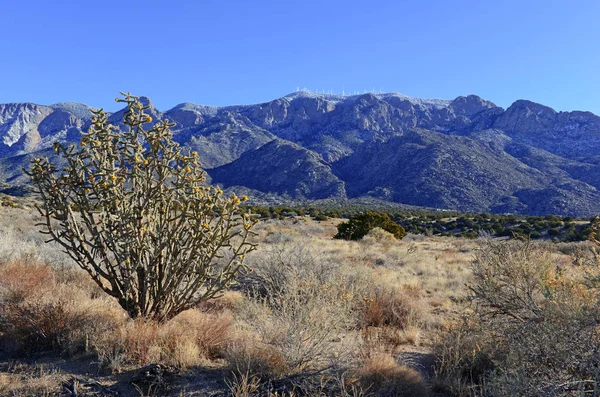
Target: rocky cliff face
[[26, 127], [283, 168], [465, 154]]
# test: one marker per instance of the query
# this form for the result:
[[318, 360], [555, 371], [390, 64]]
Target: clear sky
[[246, 51]]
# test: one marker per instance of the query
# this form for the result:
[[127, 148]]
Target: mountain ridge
[[464, 154]]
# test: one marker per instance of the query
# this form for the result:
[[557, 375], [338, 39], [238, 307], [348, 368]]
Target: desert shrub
[[131, 209], [229, 301], [192, 338], [299, 309], [210, 332], [251, 356], [298, 333], [7, 201], [42, 309], [553, 232], [23, 278], [378, 235], [381, 375], [359, 225], [387, 307], [39, 312], [533, 329], [509, 278], [463, 357], [40, 325], [281, 266], [388, 318]]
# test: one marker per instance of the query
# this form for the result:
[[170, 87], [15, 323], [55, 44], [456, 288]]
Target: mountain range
[[465, 154]]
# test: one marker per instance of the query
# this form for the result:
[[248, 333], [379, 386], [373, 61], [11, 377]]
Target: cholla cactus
[[131, 208]]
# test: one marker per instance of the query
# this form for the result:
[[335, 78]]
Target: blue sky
[[229, 52]]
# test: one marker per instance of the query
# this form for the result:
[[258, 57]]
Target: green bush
[[359, 225]]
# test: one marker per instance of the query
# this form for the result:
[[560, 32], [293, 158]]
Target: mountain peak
[[146, 101], [473, 100], [437, 103], [79, 110], [532, 106], [471, 104]]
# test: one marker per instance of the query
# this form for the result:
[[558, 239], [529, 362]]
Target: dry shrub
[[40, 325], [45, 309], [23, 278], [277, 267], [21, 380], [533, 329], [140, 342], [386, 307], [412, 335], [230, 300], [210, 332], [379, 236], [390, 317], [462, 358], [189, 339], [509, 278], [249, 355], [389, 339], [297, 334], [300, 307], [383, 376], [40, 314]]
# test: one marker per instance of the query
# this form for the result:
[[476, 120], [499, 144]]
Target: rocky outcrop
[[283, 168], [574, 135]]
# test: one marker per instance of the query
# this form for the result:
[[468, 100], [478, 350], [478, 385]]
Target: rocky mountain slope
[[465, 154]]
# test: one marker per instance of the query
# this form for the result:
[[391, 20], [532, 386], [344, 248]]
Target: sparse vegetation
[[454, 224], [316, 316], [532, 329], [306, 319]]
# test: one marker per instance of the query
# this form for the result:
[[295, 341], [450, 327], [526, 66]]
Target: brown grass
[[42, 309], [312, 305], [383, 376], [38, 313], [385, 307], [192, 338], [22, 380], [529, 330]]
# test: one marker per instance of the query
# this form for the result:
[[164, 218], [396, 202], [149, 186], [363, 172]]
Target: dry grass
[[383, 376], [313, 307], [19, 380], [40, 312], [243, 385], [193, 338], [300, 308], [531, 327]]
